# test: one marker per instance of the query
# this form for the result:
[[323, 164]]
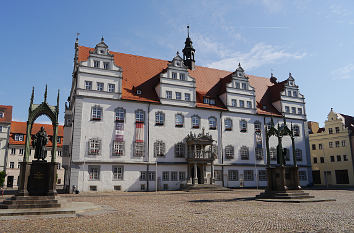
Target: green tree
[[2, 178]]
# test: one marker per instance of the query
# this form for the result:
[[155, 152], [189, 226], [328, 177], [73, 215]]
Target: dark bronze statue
[[39, 142]]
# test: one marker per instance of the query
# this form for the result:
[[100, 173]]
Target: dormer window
[[237, 85], [174, 75], [289, 93], [18, 137], [182, 77], [178, 63], [295, 93], [100, 86], [101, 51], [88, 85], [106, 65], [96, 64], [291, 83], [206, 100], [2, 114], [212, 101], [138, 92], [187, 96], [244, 86]]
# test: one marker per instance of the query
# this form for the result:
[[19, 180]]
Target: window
[[179, 150], [273, 153], [259, 153], [96, 64], [315, 160], [330, 144], [337, 143], [345, 158], [195, 121], [234, 103], [142, 187], [120, 114], [332, 158], [293, 110], [94, 172], [343, 143], [229, 152], [249, 104], [298, 154], [13, 151], [322, 159], [174, 75], [187, 96], [233, 175], [159, 118], [139, 115], [100, 86], [111, 87], [106, 65], [212, 123], [295, 93], [244, 86], [242, 104], [228, 124], [58, 166], [159, 148], [12, 164], [243, 126], [269, 125], [0, 128], [287, 109], [244, 153], [178, 95], [59, 152], [18, 137], [21, 151], [96, 113], [117, 172], [206, 100], [330, 130], [165, 176], [139, 149], [313, 146], [18, 165], [179, 120], [174, 176], [212, 101], [339, 158], [289, 93], [217, 175], [182, 77], [296, 129], [299, 111], [142, 176], [168, 94], [94, 146], [2, 114], [320, 146], [248, 175], [302, 175], [118, 148], [262, 175], [152, 176], [182, 176], [337, 129], [257, 126], [237, 85], [88, 85]]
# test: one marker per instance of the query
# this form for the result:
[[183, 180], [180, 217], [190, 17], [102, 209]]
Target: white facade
[[91, 118]]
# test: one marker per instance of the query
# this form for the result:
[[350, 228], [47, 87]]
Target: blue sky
[[313, 40]]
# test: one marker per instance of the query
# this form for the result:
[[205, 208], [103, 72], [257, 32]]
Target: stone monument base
[[25, 202]]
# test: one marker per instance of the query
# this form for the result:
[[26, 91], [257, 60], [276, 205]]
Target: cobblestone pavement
[[234, 211]]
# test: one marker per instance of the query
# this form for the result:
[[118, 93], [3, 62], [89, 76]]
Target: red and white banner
[[119, 131], [139, 132]]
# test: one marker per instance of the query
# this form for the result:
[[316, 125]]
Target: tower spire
[[188, 52], [45, 93], [188, 30]]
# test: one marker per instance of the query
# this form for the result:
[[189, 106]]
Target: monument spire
[[45, 93]]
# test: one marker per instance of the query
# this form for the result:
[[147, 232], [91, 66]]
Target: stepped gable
[[143, 72]]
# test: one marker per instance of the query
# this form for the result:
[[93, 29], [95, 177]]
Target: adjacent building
[[332, 150], [137, 123], [5, 123], [16, 149]]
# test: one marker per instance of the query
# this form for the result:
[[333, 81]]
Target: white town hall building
[[136, 123]]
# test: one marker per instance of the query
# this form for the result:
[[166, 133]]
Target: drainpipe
[[148, 148], [221, 154]]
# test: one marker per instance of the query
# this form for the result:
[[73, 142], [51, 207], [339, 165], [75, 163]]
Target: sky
[[313, 40]]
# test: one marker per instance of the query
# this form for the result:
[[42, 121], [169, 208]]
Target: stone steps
[[205, 188], [27, 202], [290, 194]]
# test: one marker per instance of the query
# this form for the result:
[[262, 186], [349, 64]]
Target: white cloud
[[339, 10], [261, 54], [273, 5], [345, 72]]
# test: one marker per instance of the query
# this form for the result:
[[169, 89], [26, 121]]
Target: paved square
[[198, 212]]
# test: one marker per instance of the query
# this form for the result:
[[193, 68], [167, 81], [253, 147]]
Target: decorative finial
[[239, 64], [177, 53], [77, 37], [290, 75], [32, 96], [45, 93], [271, 75], [331, 109], [58, 99], [188, 30], [102, 39]]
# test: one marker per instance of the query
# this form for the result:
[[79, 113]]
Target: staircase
[[289, 194], [204, 188], [25, 202]]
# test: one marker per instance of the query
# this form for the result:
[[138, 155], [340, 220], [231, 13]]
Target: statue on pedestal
[[39, 142]]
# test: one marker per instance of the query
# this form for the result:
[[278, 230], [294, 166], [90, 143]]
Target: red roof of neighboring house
[[20, 128], [143, 73], [7, 110]]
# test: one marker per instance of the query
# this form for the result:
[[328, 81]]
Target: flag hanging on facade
[[139, 132], [119, 131], [258, 139]]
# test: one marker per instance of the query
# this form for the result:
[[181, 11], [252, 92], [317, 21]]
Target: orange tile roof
[[7, 110], [20, 128], [143, 73]]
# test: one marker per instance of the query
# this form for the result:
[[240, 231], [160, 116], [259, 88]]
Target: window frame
[[159, 148], [298, 155], [180, 150], [139, 149], [118, 148], [111, 87], [248, 175], [243, 126], [119, 114], [178, 95], [257, 126], [96, 113], [139, 116], [244, 153], [212, 123], [159, 118], [258, 151], [100, 86], [187, 96], [228, 127], [88, 85], [195, 121], [94, 146], [169, 95], [177, 124], [232, 175], [94, 172], [116, 174], [229, 152]]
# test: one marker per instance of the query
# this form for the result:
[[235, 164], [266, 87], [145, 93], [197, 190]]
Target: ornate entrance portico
[[201, 153]]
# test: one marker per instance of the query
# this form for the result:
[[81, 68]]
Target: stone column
[[54, 142], [195, 175], [212, 181]]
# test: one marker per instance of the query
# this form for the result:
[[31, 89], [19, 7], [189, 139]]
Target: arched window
[[257, 126], [179, 150], [120, 114], [273, 153], [229, 152], [179, 120], [96, 113], [159, 148], [244, 153], [298, 154], [139, 115], [243, 126], [259, 153], [296, 130], [159, 118], [195, 121], [212, 123], [94, 146], [228, 124]]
